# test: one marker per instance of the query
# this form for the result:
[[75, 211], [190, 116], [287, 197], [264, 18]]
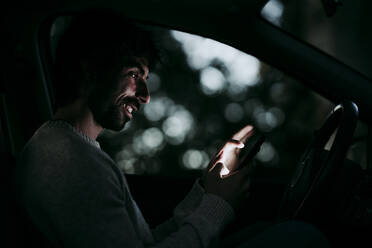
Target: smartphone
[[251, 147]]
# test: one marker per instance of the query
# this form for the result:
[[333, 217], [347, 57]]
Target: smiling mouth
[[130, 109]]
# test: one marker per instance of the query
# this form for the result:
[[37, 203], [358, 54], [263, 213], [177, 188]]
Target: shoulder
[[58, 155], [55, 144]]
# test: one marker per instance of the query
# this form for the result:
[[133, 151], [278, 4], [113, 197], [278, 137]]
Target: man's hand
[[223, 176], [232, 188], [228, 155]]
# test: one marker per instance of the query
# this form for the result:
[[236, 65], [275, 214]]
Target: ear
[[88, 79]]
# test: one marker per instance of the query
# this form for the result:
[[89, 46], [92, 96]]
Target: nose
[[142, 92]]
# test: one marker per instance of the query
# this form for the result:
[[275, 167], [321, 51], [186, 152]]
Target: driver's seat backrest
[[19, 231]]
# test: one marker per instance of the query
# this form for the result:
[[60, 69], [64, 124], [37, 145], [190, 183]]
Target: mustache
[[130, 100]]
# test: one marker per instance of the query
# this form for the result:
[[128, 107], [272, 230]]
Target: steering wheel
[[308, 186]]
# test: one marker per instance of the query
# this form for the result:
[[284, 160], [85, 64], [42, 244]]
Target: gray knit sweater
[[76, 195]]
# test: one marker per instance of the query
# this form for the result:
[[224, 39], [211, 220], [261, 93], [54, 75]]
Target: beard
[[105, 112]]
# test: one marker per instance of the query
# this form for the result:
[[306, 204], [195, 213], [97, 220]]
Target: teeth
[[130, 109]]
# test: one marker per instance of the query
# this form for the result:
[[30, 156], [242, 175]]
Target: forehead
[[140, 62]]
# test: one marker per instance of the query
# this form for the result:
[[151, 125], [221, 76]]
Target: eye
[[133, 74]]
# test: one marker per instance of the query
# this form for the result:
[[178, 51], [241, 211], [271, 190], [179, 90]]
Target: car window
[[201, 93]]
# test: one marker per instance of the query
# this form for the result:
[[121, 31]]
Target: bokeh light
[[253, 104], [212, 80], [195, 108], [158, 108], [126, 159], [152, 138], [178, 125], [267, 120], [234, 112], [195, 159], [277, 92], [153, 83], [273, 11], [148, 142], [242, 70], [267, 153]]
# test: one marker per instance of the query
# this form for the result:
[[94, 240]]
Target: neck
[[81, 117]]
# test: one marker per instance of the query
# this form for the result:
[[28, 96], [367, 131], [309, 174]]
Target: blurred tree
[[183, 126]]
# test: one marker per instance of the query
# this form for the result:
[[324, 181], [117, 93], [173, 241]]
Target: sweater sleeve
[[202, 227], [182, 210]]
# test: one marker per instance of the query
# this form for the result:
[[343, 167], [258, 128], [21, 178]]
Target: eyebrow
[[134, 63]]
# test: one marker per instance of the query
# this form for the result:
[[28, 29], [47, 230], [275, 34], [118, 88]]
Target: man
[[73, 191]]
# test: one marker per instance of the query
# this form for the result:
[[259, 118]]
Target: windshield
[[342, 31]]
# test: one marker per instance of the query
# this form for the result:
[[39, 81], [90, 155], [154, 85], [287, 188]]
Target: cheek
[[122, 93], [131, 89], [127, 87]]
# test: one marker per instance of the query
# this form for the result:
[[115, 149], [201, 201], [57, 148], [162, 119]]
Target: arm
[[203, 225], [78, 200], [83, 204], [182, 210], [227, 155]]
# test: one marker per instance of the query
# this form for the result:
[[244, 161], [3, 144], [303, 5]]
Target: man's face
[[115, 109]]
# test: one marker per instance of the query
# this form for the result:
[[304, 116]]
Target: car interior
[[283, 66]]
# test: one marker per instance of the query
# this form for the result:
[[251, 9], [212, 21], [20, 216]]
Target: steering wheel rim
[[314, 170]]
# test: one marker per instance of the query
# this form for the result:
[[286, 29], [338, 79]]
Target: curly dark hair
[[93, 49]]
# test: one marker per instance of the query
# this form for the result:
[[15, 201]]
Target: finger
[[220, 149], [243, 133], [233, 143], [247, 136], [232, 173], [214, 161], [229, 154], [232, 146], [238, 173], [215, 158], [230, 149], [216, 168], [217, 155]]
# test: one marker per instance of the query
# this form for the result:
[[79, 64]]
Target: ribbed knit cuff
[[189, 203], [215, 210], [210, 218]]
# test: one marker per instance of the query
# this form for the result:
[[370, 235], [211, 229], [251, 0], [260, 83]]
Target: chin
[[111, 123], [119, 124], [116, 126]]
